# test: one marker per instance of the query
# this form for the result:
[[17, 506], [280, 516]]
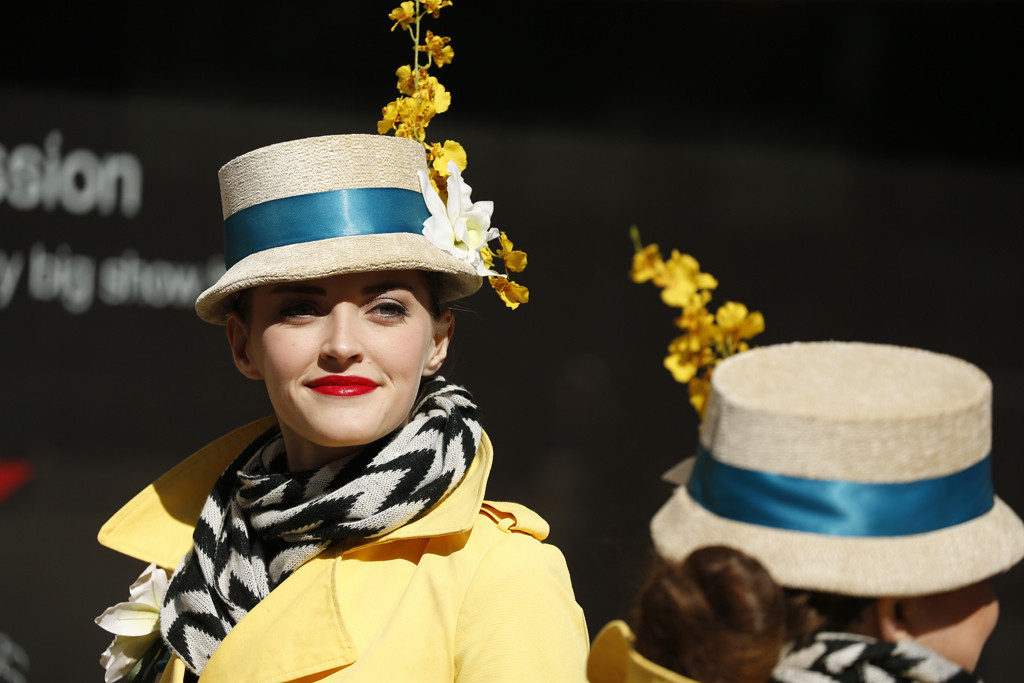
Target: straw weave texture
[[848, 412], [319, 164], [874, 412]]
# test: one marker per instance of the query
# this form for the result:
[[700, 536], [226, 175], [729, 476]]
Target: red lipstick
[[342, 385]]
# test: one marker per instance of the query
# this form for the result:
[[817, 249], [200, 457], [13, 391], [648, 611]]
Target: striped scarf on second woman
[[846, 658]]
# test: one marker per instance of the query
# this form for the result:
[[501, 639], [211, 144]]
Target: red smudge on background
[[13, 475]]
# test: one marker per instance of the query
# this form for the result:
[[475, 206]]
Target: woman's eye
[[298, 310], [390, 310]]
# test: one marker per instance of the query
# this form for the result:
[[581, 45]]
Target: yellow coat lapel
[[296, 631], [157, 524]]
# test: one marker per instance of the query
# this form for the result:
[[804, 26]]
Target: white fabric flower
[[462, 228], [135, 624]]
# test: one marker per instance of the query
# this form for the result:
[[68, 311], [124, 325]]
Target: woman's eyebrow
[[381, 287], [297, 288]]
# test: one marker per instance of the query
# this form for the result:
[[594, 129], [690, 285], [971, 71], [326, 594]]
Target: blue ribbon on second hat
[[322, 215], [841, 508]]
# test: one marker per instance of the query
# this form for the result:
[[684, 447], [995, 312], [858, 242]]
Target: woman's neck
[[303, 455]]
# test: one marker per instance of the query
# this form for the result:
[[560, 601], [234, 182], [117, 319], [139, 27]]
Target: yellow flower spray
[[707, 339], [422, 97]]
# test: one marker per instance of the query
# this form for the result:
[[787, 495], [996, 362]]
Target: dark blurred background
[[854, 171]]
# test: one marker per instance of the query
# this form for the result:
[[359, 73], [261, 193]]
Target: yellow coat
[[613, 660], [465, 593]]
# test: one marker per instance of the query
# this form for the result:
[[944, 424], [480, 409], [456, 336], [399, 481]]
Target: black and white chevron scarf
[[261, 522], [846, 658]]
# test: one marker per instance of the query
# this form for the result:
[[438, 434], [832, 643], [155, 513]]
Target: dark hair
[[434, 285], [810, 611], [717, 617], [720, 617], [241, 304]]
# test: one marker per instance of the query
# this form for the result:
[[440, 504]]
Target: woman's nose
[[341, 343]]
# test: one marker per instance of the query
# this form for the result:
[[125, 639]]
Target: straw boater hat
[[848, 468], [324, 206]]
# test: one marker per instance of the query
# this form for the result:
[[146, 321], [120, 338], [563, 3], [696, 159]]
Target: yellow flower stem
[[416, 50], [634, 234]]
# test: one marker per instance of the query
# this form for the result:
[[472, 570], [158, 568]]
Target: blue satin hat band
[[322, 215], [841, 508]]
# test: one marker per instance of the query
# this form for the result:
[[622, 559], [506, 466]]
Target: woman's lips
[[342, 385]]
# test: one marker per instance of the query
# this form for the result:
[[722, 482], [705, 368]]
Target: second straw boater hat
[[848, 468], [324, 206]]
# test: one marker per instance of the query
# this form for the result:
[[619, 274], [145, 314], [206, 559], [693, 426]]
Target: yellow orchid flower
[[510, 292], [488, 256], [409, 116], [699, 389], [407, 130], [403, 15], [699, 326], [415, 110], [514, 260], [683, 365], [681, 275], [390, 113], [647, 264], [682, 293], [406, 80], [735, 321], [433, 7], [434, 93], [440, 155], [437, 49]]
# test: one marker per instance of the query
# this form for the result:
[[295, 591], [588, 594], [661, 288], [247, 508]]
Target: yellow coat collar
[[157, 524], [613, 660]]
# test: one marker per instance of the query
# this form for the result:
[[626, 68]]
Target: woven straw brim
[[338, 256], [919, 564]]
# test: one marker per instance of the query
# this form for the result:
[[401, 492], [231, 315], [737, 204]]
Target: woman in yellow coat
[[346, 538]]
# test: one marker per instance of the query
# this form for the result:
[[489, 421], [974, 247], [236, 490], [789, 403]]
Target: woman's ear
[[444, 328], [892, 620], [238, 340]]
